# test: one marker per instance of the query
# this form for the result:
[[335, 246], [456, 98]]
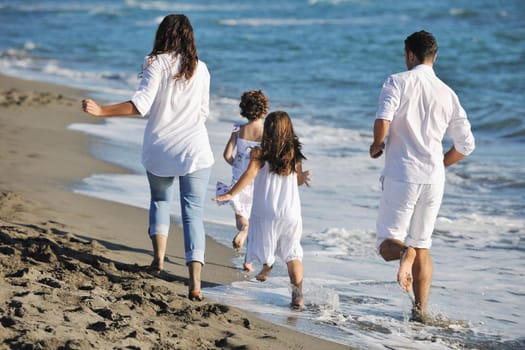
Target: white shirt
[[175, 139], [421, 109]]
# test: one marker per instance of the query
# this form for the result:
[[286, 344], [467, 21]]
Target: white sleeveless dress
[[242, 202], [275, 222]]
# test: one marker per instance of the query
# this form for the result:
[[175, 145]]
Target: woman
[[174, 92]]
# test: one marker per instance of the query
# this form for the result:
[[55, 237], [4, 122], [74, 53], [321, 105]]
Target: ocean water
[[324, 63]]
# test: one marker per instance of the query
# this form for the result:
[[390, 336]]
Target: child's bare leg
[[242, 228], [265, 272], [295, 271], [248, 267]]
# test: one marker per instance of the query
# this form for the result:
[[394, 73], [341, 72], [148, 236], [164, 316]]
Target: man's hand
[[376, 150]]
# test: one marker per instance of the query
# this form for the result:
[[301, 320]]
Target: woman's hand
[[91, 107], [122, 109]]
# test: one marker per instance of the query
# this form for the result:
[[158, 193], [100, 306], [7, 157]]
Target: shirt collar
[[425, 67]]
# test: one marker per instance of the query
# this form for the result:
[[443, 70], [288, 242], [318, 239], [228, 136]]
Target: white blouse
[[175, 139]]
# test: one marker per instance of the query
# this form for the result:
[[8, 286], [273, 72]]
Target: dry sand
[[72, 267]]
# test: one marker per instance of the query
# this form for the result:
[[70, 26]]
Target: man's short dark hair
[[422, 44]]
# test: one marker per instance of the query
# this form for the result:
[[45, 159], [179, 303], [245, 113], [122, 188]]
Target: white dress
[[242, 202], [275, 222]]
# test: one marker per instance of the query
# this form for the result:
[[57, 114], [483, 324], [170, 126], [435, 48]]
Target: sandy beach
[[72, 267]]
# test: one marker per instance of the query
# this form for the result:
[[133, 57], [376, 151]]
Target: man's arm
[[452, 156], [381, 127]]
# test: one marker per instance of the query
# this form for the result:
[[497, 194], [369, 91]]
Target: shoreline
[[40, 160]]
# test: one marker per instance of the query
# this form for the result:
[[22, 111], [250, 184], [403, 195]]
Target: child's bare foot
[[265, 272], [404, 274], [247, 267], [297, 298], [238, 240]]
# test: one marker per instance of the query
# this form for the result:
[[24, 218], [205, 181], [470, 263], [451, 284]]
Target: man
[[415, 111]]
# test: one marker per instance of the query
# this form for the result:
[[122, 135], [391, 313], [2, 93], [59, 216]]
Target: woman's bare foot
[[297, 298], [238, 240], [263, 275], [194, 281], [195, 295], [404, 274], [155, 267]]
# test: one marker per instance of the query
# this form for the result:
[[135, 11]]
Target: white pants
[[408, 212]]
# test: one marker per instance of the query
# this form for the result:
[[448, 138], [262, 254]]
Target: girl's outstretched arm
[[245, 179], [123, 109], [303, 177]]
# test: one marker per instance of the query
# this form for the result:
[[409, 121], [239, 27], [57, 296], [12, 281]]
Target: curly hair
[[422, 44], [280, 146], [175, 35], [254, 105]]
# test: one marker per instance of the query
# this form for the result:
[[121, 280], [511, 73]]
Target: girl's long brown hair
[[175, 35], [280, 146]]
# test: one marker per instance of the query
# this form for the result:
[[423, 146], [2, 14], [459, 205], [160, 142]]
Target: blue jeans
[[192, 189]]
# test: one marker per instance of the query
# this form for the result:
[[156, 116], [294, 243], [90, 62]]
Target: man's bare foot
[[263, 275], [297, 298], [238, 240], [404, 274], [419, 315], [247, 267]]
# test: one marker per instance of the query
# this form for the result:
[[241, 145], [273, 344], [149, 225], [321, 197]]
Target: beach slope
[[72, 267]]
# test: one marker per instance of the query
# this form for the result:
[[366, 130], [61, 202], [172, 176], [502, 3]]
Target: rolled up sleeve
[[389, 99], [149, 85], [459, 130]]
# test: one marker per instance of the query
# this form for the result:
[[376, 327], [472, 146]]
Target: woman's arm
[[123, 109]]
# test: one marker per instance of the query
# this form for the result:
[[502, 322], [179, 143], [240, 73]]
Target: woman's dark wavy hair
[[422, 44], [175, 35], [254, 105], [280, 146]]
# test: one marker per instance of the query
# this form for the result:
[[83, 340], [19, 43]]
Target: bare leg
[[248, 267], [159, 243], [242, 228], [393, 249], [422, 270], [265, 272], [194, 283], [238, 241], [405, 275], [295, 271]]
